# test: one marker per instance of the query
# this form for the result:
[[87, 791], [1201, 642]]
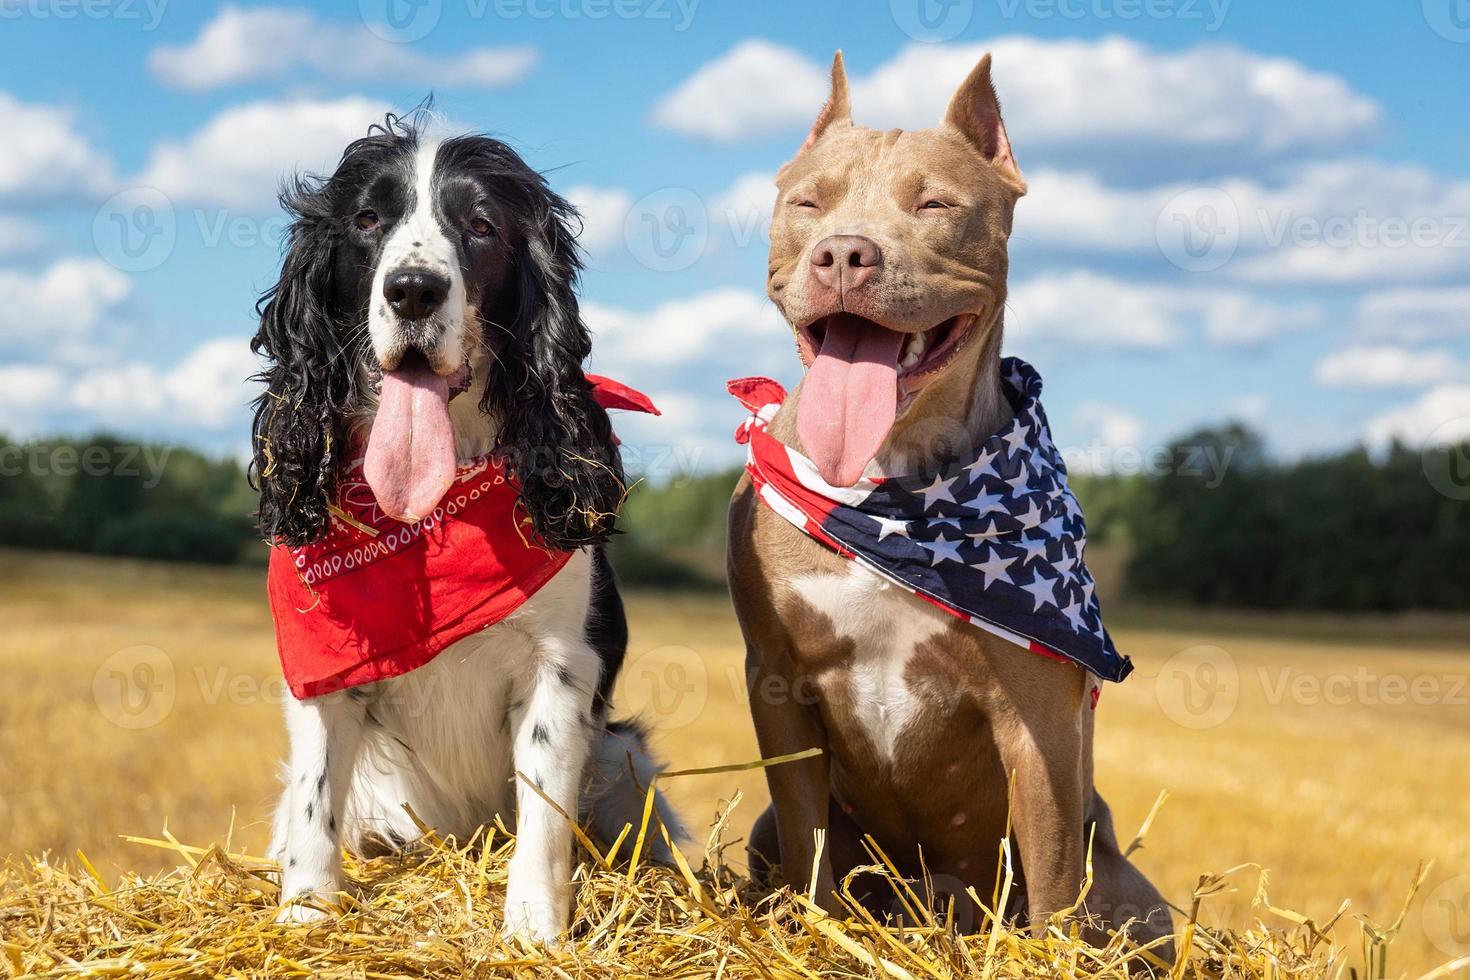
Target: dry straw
[[434, 911]]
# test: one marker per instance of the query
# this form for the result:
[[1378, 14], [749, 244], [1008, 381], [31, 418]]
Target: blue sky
[[1238, 209]]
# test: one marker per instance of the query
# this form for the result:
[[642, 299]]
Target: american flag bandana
[[997, 538]]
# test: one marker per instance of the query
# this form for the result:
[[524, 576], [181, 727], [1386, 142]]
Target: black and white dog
[[449, 262]]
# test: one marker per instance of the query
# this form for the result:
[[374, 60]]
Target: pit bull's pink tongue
[[410, 451], [849, 398]]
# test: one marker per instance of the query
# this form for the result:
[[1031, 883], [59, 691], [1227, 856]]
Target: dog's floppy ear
[[838, 110], [975, 111], [299, 418], [560, 440]]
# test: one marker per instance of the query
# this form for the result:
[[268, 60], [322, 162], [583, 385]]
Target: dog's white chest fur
[[423, 723], [885, 625]]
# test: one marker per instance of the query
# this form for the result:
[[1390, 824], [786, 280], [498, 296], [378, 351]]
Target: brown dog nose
[[846, 261]]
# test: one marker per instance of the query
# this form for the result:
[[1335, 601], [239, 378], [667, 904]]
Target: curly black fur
[[558, 438], [312, 334], [313, 348]]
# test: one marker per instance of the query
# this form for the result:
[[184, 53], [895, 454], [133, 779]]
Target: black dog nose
[[848, 261], [415, 293]]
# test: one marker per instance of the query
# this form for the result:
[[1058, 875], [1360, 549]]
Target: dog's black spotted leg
[[325, 735]]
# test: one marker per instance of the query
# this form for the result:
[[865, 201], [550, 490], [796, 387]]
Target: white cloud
[[208, 390], [1109, 424], [745, 207], [212, 384], [1415, 314], [1250, 407], [742, 212], [17, 235], [692, 433], [1088, 309], [755, 89], [238, 157], [205, 393], [1387, 366], [1345, 221], [27, 388], [1078, 211], [682, 352], [603, 211], [1355, 220], [242, 45], [715, 326], [1102, 438], [1085, 309], [1113, 99], [45, 155], [1239, 319], [60, 306], [1440, 416], [1115, 92]]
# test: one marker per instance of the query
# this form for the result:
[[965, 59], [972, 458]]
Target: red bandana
[[376, 598]]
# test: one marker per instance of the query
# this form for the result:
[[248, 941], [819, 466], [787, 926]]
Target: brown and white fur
[[922, 718], [454, 253]]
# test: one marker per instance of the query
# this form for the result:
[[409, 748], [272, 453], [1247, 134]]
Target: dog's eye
[[934, 206], [367, 220], [481, 228], [803, 202]]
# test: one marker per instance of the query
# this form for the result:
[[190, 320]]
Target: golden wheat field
[[1333, 753]]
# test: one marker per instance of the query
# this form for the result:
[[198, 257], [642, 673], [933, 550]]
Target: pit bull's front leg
[[1041, 742]]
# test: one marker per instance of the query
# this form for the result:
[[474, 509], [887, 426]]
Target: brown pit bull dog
[[888, 258]]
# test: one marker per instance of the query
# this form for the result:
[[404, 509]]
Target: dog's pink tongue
[[410, 451], [849, 398]]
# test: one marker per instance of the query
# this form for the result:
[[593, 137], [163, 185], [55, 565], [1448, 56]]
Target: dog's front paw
[[306, 905], [536, 916], [298, 914]]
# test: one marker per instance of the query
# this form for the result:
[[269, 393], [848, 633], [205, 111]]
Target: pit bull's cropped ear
[[838, 110], [975, 111]]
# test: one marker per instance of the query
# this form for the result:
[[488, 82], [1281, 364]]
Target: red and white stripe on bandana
[[995, 538], [376, 598]]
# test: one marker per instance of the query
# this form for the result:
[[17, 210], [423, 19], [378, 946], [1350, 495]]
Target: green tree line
[[1208, 520]]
